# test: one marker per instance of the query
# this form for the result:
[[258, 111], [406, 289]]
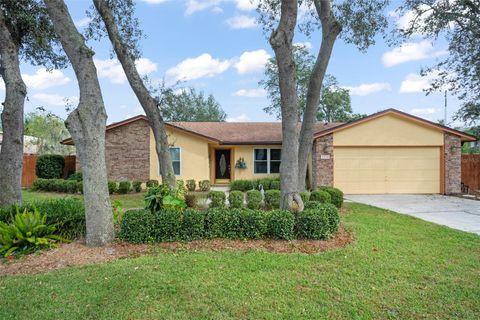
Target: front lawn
[[398, 267], [131, 200]]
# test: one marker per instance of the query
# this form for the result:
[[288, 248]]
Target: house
[[386, 152], [30, 144]]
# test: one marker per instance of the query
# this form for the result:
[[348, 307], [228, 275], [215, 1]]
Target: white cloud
[[403, 22], [199, 67], [241, 118], [55, 100], [410, 52], [43, 79], [252, 61], [414, 83], [242, 22], [368, 88], [83, 22], [250, 93], [2, 85], [423, 111], [306, 44], [112, 69], [201, 5], [154, 1], [247, 5]]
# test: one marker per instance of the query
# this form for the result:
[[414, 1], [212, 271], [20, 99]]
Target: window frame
[[269, 160], [179, 161]]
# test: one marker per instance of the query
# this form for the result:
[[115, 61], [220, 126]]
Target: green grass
[[397, 268], [131, 200]]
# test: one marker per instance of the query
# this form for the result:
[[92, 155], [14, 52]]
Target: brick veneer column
[[453, 164], [322, 168]]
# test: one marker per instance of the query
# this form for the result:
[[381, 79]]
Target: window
[[266, 160], [175, 157]]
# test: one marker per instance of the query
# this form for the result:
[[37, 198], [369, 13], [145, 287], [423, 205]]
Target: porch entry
[[222, 165]]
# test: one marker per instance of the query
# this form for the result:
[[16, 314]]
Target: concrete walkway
[[456, 213]]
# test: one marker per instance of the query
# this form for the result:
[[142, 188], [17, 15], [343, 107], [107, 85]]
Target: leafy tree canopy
[[188, 105], [458, 22], [50, 130], [335, 103]]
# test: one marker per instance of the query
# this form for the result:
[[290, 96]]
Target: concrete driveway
[[456, 213]]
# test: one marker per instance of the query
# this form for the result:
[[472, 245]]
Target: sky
[[216, 46]]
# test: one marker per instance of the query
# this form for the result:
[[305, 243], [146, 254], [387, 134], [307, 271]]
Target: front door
[[222, 165]]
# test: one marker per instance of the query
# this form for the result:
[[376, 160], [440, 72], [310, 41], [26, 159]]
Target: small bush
[[241, 185], [222, 223], [254, 199], [336, 195], [235, 198], [152, 183], [137, 226], [191, 185], [50, 166], [168, 225], [281, 224], [312, 204], [217, 199], [191, 200], [137, 186], [275, 185], [318, 223], [254, 224], [76, 176], [112, 187], [124, 187], [204, 185], [320, 196], [305, 195], [193, 224], [272, 199], [80, 186]]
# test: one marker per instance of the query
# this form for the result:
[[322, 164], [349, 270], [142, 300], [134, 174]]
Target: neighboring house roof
[[238, 133], [255, 133], [464, 136]]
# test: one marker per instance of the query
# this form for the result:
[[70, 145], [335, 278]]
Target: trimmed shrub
[[137, 186], [193, 225], [168, 225], [318, 223], [241, 185], [305, 195], [112, 187], [77, 176], [191, 200], [254, 224], [320, 196], [152, 183], [80, 186], [124, 187], [235, 198], [272, 199], [191, 185], [217, 199], [204, 185], [71, 186], [137, 226], [336, 195], [50, 166], [222, 223], [311, 204], [280, 224], [254, 199], [275, 185]]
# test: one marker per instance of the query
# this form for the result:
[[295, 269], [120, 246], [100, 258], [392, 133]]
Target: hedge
[[57, 185], [320, 196], [137, 226], [217, 199], [246, 185], [50, 166], [336, 195], [254, 199], [272, 199], [235, 198], [124, 187], [68, 214], [318, 223]]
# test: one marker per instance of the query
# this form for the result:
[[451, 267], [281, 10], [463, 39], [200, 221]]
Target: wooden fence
[[471, 172], [28, 172]]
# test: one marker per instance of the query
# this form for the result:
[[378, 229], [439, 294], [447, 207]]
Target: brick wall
[[127, 152], [453, 164], [322, 168]]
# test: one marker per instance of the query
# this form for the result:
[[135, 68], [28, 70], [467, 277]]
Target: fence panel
[[471, 171], [28, 171]]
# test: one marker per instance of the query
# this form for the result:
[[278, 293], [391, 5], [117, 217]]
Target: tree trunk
[[330, 30], [87, 125], [149, 104], [281, 42], [11, 154]]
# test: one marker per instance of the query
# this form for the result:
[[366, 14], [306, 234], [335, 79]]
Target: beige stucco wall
[[247, 153], [388, 130], [193, 154]]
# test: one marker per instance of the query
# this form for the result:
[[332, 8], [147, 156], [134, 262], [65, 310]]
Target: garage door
[[387, 170]]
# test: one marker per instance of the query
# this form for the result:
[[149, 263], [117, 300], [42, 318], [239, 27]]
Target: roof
[[256, 133], [464, 136], [226, 133]]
